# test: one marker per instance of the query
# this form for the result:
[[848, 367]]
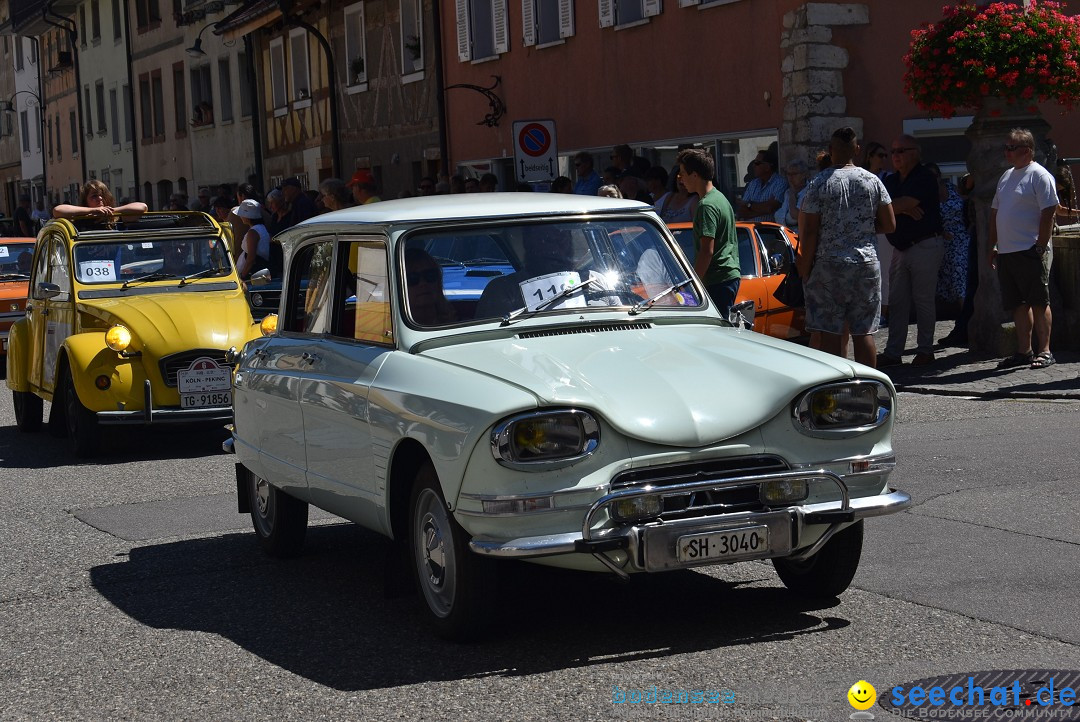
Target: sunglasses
[[1010, 148], [429, 275]]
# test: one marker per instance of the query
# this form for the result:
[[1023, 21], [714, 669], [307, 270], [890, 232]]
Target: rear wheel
[[82, 425], [28, 410], [280, 520], [829, 572], [455, 583]]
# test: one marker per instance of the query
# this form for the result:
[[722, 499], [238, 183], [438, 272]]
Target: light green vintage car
[[568, 395]]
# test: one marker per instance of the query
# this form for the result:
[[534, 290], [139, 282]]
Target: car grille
[[171, 365], [705, 503]]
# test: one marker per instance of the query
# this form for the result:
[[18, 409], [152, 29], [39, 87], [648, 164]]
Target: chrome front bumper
[[645, 543], [170, 415]]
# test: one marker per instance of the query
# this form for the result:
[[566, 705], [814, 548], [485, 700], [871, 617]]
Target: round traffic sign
[[534, 139]]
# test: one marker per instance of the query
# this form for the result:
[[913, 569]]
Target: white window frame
[[355, 46], [609, 12], [279, 95], [500, 30], [225, 112], [530, 21], [299, 61]]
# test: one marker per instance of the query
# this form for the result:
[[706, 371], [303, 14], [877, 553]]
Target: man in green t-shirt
[[717, 247]]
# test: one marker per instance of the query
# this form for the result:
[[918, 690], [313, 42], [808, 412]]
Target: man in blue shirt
[[588, 180], [765, 193]]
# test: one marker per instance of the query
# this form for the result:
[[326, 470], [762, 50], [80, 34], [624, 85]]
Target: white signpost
[[536, 155]]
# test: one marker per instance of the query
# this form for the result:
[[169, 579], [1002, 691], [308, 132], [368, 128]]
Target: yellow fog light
[[637, 507], [784, 491], [118, 338], [268, 325]]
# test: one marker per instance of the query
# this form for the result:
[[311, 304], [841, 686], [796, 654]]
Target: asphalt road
[[130, 589]]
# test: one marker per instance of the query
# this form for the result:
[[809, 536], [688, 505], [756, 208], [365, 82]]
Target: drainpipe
[[440, 92], [335, 143], [256, 115]]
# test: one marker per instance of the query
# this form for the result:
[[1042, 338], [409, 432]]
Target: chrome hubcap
[[433, 551], [262, 496]]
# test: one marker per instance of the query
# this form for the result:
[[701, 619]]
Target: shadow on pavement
[[324, 616]]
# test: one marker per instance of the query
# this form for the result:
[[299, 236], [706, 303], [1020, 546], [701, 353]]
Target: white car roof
[[468, 206]]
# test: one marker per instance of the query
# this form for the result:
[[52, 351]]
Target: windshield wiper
[[155, 276], [646, 305], [199, 274], [10, 276], [544, 304]]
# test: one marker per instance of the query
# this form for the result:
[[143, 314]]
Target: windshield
[[105, 262], [502, 272], [16, 258]]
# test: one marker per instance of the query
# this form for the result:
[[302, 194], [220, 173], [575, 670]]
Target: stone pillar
[[813, 83], [988, 133], [1065, 291]]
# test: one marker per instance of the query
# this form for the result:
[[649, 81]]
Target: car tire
[[828, 572], [28, 410], [81, 423], [280, 520], [456, 584]]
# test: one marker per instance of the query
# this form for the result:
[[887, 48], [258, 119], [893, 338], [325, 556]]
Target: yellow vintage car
[[128, 322]]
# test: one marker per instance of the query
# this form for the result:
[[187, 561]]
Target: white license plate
[[203, 400], [747, 541]]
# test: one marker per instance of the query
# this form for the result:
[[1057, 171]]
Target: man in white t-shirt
[[1021, 221]]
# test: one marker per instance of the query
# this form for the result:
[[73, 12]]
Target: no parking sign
[[536, 155]]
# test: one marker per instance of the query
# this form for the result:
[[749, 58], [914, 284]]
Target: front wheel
[[28, 410], [280, 520], [82, 426], [829, 572], [455, 583]]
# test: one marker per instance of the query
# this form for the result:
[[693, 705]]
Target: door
[[52, 310], [335, 388], [782, 321]]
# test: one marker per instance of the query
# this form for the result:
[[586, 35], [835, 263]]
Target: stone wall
[[813, 77]]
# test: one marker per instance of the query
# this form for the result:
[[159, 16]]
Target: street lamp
[[8, 106], [196, 50]]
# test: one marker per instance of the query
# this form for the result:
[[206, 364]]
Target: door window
[[362, 296], [308, 310], [58, 269]]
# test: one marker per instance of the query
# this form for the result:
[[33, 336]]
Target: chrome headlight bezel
[[581, 430], [874, 396]]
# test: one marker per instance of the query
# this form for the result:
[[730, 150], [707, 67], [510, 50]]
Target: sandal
[[1043, 360], [1017, 359]]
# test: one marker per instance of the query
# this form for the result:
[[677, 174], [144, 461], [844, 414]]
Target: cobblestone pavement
[[960, 372]]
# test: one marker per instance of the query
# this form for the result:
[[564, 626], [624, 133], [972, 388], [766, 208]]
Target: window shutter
[[464, 42], [688, 3], [649, 8], [566, 18], [607, 13], [500, 26], [528, 22]]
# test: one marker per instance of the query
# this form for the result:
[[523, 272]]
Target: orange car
[[15, 258], [766, 251]]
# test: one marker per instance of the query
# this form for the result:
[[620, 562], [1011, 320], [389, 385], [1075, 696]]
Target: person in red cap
[[363, 187]]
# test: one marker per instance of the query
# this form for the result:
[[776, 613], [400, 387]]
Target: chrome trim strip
[[516, 497], [524, 547], [165, 416]]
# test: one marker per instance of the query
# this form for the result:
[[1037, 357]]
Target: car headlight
[[268, 325], [544, 438], [847, 408], [118, 338]]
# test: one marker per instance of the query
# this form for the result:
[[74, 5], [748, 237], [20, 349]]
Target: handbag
[[790, 290]]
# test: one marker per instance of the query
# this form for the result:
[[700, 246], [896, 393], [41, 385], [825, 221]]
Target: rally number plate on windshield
[[724, 545]]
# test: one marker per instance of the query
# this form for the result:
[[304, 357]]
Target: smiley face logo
[[862, 695]]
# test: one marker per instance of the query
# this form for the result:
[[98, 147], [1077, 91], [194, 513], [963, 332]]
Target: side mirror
[[44, 290], [742, 314], [260, 277]]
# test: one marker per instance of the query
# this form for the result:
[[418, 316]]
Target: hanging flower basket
[[1022, 55]]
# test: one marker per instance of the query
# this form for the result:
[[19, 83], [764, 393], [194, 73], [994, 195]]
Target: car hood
[[673, 385], [166, 323]]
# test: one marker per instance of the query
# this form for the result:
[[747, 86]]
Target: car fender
[[18, 367], [88, 358]]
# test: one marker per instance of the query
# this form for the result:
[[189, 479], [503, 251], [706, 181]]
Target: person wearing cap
[[300, 206], [255, 246], [363, 187]]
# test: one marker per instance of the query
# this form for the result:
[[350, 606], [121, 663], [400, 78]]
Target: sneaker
[[922, 359], [885, 359]]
